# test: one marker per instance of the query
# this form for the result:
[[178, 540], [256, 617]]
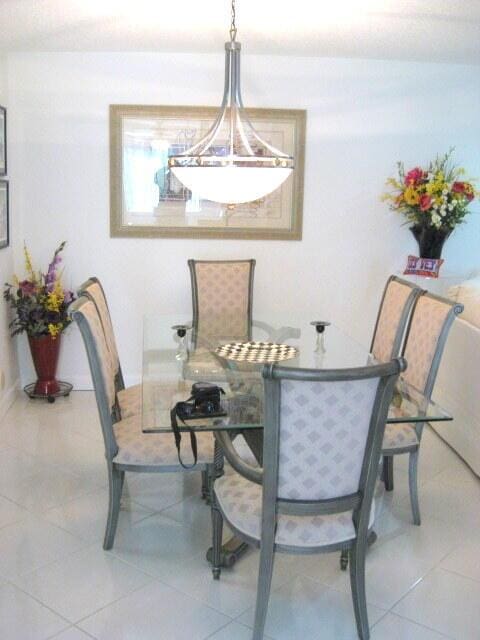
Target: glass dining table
[[174, 358]]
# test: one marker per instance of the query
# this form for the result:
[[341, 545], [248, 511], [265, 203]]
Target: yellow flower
[[28, 263], [411, 196], [55, 329]]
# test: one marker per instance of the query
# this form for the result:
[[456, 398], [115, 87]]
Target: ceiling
[[429, 30]]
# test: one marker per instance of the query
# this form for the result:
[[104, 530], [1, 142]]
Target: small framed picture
[[4, 222], [3, 141]]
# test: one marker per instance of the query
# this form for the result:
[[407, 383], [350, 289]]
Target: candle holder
[[320, 326], [182, 348]]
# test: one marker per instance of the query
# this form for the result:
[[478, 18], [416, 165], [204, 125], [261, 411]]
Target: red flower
[[27, 288], [414, 176], [425, 202], [465, 188], [458, 187]]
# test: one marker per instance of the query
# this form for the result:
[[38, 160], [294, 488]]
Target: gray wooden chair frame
[[108, 417], [360, 502], [455, 310], [404, 318], [195, 302], [397, 346], [83, 291]]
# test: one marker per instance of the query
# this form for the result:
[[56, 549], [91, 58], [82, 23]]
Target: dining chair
[[127, 448], [129, 400], [393, 314], [322, 441], [222, 297], [425, 341]]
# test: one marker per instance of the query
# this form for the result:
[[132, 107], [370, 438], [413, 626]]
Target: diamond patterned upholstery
[[95, 291], [157, 449], [400, 436], [241, 503], [426, 326], [106, 363], [130, 401], [393, 304], [223, 293], [323, 434]]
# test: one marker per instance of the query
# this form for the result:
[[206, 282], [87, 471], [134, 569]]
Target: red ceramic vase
[[45, 351]]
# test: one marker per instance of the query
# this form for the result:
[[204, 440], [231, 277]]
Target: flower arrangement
[[435, 197], [40, 301]]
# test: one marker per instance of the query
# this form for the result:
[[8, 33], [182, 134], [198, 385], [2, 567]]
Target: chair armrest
[[244, 469]]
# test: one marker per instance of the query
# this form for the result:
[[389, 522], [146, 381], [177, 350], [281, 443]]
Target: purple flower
[[68, 296], [51, 275]]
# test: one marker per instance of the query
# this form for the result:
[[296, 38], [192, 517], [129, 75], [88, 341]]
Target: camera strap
[[178, 439]]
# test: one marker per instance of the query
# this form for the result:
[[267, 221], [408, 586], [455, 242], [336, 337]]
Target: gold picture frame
[[147, 201]]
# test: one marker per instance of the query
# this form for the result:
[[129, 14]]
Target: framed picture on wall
[[146, 200], [4, 221], [3, 141]]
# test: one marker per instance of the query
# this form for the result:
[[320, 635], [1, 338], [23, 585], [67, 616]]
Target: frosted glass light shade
[[230, 184]]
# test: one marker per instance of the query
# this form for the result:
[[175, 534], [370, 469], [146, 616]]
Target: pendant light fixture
[[232, 163]]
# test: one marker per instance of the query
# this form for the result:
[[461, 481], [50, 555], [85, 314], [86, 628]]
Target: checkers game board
[[260, 352]]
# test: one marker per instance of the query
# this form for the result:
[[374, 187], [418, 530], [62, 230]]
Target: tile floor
[[423, 583]]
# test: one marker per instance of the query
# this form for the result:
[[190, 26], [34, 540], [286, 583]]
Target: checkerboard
[[258, 352]]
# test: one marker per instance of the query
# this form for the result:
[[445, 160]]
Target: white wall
[[362, 117], [8, 360]]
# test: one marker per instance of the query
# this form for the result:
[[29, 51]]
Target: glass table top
[[174, 358]]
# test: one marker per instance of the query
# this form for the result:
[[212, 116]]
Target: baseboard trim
[[8, 397]]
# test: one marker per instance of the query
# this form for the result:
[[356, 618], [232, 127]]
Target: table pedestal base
[[232, 550]]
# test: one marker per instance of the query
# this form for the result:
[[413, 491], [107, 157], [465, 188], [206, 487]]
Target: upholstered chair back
[[94, 290], [426, 338], [222, 298], [324, 428], [398, 299], [85, 314]]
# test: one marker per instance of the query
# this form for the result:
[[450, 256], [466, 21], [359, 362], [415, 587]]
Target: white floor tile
[[157, 491], [465, 559], [446, 602], [153, 612], [82, 583], [22, 618], [10, 512], [86, 516], [32, 543], [47, 488], [16, 465], [392, 627], [234, 631], [450, 503], [72, 634], [157, 545], [236, 590], [306, 609]]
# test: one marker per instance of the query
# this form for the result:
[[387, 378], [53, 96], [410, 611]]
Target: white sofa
[[458, 382]]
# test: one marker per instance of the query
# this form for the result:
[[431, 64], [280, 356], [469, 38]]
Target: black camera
[[204, 402]]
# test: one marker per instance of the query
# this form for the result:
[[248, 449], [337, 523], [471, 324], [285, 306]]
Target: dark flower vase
[[45, 351], [430, 240]]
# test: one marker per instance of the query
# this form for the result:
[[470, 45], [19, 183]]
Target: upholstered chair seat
[[156, 449], [130, 401], [241, 504], [400, 438]]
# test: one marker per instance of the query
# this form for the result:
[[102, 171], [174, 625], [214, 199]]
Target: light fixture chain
[[233, 28]]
